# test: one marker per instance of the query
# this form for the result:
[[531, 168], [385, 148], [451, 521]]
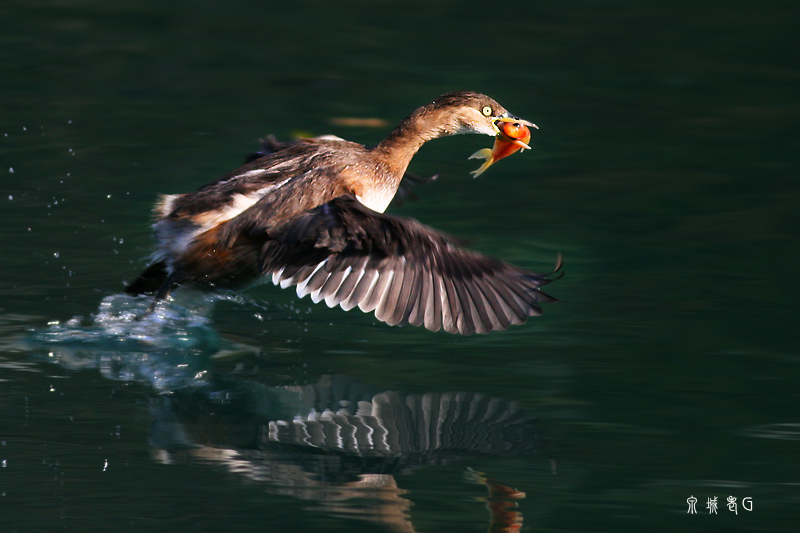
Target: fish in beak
[[512, 134]]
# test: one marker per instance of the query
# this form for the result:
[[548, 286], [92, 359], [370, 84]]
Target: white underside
[[376, 200]]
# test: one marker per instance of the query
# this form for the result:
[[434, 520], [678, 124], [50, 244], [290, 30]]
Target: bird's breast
[[374, 188], [376, 199]]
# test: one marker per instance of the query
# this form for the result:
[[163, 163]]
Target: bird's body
[[310, 214]]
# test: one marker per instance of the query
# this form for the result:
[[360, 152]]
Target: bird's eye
[[487, 111]]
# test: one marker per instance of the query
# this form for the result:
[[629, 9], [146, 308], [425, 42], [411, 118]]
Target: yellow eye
[[487, 111]]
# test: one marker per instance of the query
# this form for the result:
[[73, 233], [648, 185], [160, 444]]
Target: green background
[[665, 172]]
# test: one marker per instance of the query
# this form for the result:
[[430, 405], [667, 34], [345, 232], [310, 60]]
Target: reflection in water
[[337, 442], [501, 503], [341, 443]]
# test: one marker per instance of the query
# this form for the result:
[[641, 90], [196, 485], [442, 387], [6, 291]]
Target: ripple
[[782, 431]]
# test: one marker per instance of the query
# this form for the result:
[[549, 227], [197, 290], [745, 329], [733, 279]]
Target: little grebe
[[310, 214]]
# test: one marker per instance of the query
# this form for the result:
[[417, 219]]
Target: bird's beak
[[511, 118]]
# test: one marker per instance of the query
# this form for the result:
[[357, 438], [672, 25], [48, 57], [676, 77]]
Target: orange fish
[[512, 135]]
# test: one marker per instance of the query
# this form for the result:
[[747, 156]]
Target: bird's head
[[471, 112]]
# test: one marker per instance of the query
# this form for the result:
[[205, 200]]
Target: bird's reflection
[[341, 443], [337, 442], [501, 502]]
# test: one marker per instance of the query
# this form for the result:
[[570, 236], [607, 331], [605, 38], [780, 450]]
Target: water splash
[[170, 347]]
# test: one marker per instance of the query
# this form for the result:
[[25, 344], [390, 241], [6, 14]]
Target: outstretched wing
[[407, 273]]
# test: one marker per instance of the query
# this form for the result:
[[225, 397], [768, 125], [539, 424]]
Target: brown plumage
[[310, 214]]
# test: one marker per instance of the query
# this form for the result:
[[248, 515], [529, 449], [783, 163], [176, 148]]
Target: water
[[664, 172]]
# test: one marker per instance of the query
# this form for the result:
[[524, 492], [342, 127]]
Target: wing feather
[[406, 273]]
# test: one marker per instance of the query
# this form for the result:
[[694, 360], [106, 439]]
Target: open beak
[[511, 118], [513, 134]]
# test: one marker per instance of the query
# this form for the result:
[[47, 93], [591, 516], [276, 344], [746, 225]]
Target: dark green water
[[665, 172]]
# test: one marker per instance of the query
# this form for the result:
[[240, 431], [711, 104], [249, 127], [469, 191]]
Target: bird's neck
[[405, 140]]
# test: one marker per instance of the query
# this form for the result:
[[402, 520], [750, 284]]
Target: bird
[[310, 214]]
